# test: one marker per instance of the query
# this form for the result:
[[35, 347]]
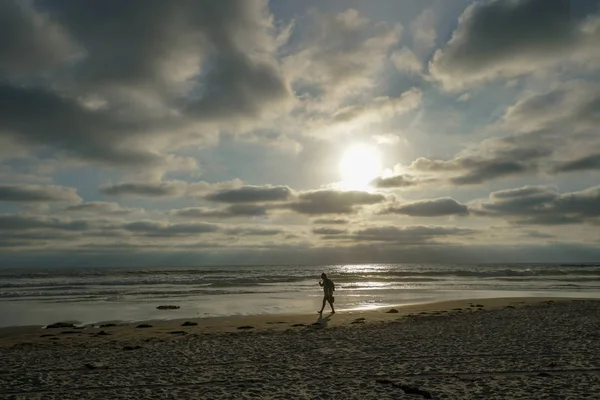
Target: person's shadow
[[323, 321]]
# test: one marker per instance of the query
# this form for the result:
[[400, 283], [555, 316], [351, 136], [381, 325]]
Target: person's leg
[[323, 306], [331, 304]]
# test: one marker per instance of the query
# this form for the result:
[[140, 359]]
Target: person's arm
[[321, 283]]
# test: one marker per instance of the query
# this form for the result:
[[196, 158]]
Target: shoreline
[[163, 329]]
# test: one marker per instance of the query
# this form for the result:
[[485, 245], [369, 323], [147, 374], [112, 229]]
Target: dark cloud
[[252, 231], [251, 194], [397, 181], [428, 208], [30, 42], [164, 229], [486, 171], [328, 231], [100, 208], [18, 222], [38, 193], [412, 235], [232, 211], [587, 163], [149, 76], [333, 202], [542, 205], [139, 189], [509, 38], [331, 221]]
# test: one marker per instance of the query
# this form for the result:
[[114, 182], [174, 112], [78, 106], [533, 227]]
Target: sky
[[192, 132]]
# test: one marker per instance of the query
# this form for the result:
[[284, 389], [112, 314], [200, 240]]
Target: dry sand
[[479, 349]]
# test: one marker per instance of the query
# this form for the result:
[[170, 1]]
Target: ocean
[[39, 296]]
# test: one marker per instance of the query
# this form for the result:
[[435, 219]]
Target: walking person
[[328, 288]]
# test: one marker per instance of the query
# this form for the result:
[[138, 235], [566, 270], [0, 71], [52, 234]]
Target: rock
[[545, 375], [245, 327], [96, 365], [68, 332], [392, 311], [357, 322], [509, 307], [129, 348], [107, 325], [144, 326], [296, 325], [102, 333], [188, 323], [479, 305], [167, 307], [60, 325], [179, 332], [415, 390], [457, 309], [360, 319]]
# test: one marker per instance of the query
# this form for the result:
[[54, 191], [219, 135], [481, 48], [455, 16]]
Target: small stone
[[392, 311], [129, 348], [107, 325], [479, 305], [102, 333], [178, 333], [360, 319], [60, 325], [68, 332], [296, 325], [545, 375], [167, 307], [96, 365], [244, 327], [144, 326], [188, 323]]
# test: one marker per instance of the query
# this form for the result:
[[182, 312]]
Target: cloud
[[345, 52], [134, 94], [253, 231], [164, 229], [541, 205], [428, 208], [20, 222], [397, 181], [101, 208], [331, 221], [328, 231], [37, 43], [406, 61], [231, 211], [587, 163], [38, 193], [380, 107], [251, 194], [408, 235], [333, 202], [510, 38], [140, 189], [423, 30]]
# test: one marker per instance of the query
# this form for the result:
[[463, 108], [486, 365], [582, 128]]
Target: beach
[[504, 348]]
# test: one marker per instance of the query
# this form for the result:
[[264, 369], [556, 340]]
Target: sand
[[479, 349]]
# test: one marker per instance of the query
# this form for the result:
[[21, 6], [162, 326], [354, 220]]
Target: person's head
[[323, 275]]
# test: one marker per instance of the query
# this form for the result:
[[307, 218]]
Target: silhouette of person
[[328, 288]]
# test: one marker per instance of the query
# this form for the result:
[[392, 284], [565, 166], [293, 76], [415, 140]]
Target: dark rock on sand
[[357, 322], [188, 323], [545, 375], [68, 332], [178, 333], [60, 325], [107, 325], [96, 365], [245, 327], [102, 333], [144, 326], [406, 388], [167, 307], [360, 319], [296, 325], [128, 348], [392, 311], [479, 305], [47, 335]]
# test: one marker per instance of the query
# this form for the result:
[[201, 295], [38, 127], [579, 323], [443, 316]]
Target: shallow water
[[37, 296]]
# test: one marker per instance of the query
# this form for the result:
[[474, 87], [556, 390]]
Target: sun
[[359, 165]]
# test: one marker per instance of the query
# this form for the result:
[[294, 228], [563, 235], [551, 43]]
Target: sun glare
[[359, 165]]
